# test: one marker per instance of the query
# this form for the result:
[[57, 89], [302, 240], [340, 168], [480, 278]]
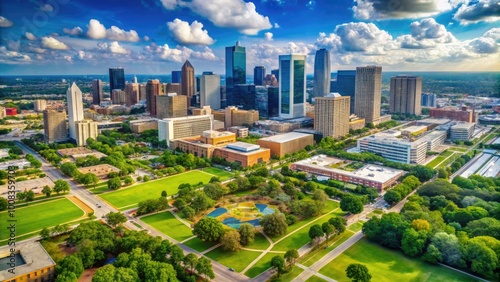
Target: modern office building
[[243, 96], [261, 100], [346, 85], [368, 93], [175, 128], [171, 106], [116, 78], [188, 85], [132, 95], [236, 117], [276, 73], [85, 129], [210, 90], [287, 143], [75, 108], [273, 101], [143, 125], [245, 154], [259, 73], [177, 77], [96, 91], [322, 73], [406, 92], [54, 126], [331, 115], [462, 131], [236, 65], [463, 114], [292, 86], [39, 105], [171, 88], [30, 260], [152, 90], [429, 100], [118, 97]]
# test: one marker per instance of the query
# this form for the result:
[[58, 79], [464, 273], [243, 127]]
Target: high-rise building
[[270, 80], [40, 105], [132, 95], [259, 73], [261, 100], [331, 115], [428, 100], [276, 73], [175, 128], [345, 85], [118, 97], [406, 94], [292, 86], [223, 96], [243, 96], [188, 81], [273, 101], [116, 78], [210, 90], [171, 106], [322, 73], [152, 90], [75, 108], [172, 88], [142, 92], [176, 77], [54, 126], [96, 91], [368, 93], [85, 129], [236, 65]]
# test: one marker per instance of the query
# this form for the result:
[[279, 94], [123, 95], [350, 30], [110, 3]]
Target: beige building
[[54, 126], [152, 90], [171, 106], [235, 117], [462, 131], [331, 115], [139, 127], [2, 112], [368, 93], [240, 131], [132, 95], [356, 123], [175, 128], [406, 93], [32, 263], [40, 105], [85, 129], [100, 171], [188, 82], [287, 143], [118, 97]]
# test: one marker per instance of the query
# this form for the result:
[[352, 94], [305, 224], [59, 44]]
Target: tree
[[88, 179], [46, 190], [442, 173], [204, 268], [188, 212], [449, 247], [66, 276], [392, 196], [164, 194], [482, 258], [114, 183], [231, 241], [339, 223], [274, 224], [413, 242], [214, 190], [145, 178], [61, 186], [291, 256], [71, 263], [209, 229], [190, 260], [358, 272], [247, 233], [45, 233], [315, 232], [29, 196], [115, 218], [128, 180], [320, 198], [351, 203], [278, 263], [69, 169], [328, 230], [432, 255]]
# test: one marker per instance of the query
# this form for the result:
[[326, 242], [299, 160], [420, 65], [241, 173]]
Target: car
[[231, 269], [99, 206]]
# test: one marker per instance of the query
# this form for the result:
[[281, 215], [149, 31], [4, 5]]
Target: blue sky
[[157, 36]]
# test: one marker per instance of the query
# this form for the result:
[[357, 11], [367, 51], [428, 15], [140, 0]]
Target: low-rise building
[[100, 171], [245, 154], [434, 139], [413, 130], [240, 131], [29, 260], [356, 122], [462, 131], [287, 143], [22, 164], [176, 128], [453, 113], [141, 126], [79, 152]]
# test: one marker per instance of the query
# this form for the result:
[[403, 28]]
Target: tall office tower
[[346, 85], [273, 101], [132, 94], [428, 100], [243, 96], [276, 73], [85, 129], [171, 106], [116, 79], [54, 126], [322, 73], [331, 115], [259, 73], [261, 100], [96, 91], [176, 76], [368, 93], [210, 90], [223, 97], [406, 92], [173, 88], [188, 81], [236, 65], [75, 108], [118, 97], [292, 86], [39, 105], [152, 90]]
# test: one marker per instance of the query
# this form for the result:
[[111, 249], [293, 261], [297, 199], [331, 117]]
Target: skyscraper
[[322, 73], [152, 90], [273, 100], [210, 90], [132, 94], [346, 85], [331, 115], [276, 73], [368, 93], [171, 106], [428, 100], [75, 108], [85, 129], [54, 126], [236, 65], [118, 97], [259, 73], [96, 91], [292, 86], [176, 76], [188, 81], [406, 92], [116, 79]]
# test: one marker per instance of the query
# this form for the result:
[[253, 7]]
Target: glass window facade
[[236, 64], [298, 81], [285, 86], [116, 79]]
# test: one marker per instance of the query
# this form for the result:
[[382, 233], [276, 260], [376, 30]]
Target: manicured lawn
[[166, 223], [289, 276], [222, 174], [260, 266], [100, 190], [315, 279], [37, 216], [244, 193], [152, 189], [198, 244], [315, 255], [260, 242], [356, 226], [236, 260], [299, 238], [381, 262], [449, 160]]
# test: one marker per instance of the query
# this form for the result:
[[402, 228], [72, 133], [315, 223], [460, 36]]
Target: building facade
[[368, 93], [210, 90], [177, 77], [118, 97], [346, 85], [171, 106], [236, 65], [132, 95], [236, 117], [116, 78], [259, 73], [152, 90], [453, 113], [429, 100], [96, 91], [188, 85], [322, 73], [75, 108], [54, 126], [462, 131], [244, 154], [287, 143], [331, 115], [139, 127], [273, 101], [292, 87], [406, 92], [394, 149], [39, 105], [85, 129], [175, 128], [32, 263]]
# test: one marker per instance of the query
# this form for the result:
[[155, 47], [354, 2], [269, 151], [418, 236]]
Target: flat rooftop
[[283, 138], [414, 128], [102, 169], [31, 256], [434, 121], [463, 125], [243, 147], [244, 153]]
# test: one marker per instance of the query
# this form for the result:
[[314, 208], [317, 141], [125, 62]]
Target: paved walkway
[[324, 277]]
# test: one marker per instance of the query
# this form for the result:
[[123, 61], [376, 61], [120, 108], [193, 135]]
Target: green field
[[236, 260], [198, 244], [260, 242], [260, 266], [222, 174], [381, 262], [356, 226], [299, 238], [439, 159], [152, 189], [166, 223], [37, 216], [315, 279], [317, 254]]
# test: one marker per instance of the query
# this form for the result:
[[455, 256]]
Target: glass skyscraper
[[346, 85], [116, 79], [322, 73], [236, 65], [259, 73], [176, 76], [292, 83]]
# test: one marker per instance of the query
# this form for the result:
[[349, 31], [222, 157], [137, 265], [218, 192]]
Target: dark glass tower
[[346, 85], [259, 73], [116, 79], [322, 74], [236, 64], [176, 76], [276, 73]]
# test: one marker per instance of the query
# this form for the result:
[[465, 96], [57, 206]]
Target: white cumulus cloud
[[178, 54], [52, 43], [477, 11], [96, 30], [268, 36], [113, 47], [73, 31], [4, 22], [185, 33], [30, 36]]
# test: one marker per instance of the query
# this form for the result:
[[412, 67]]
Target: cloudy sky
[[157, 36]]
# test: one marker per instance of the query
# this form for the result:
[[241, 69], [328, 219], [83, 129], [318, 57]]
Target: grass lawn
[[356, 226], [100, 190], [166, 223], [289, 276], [222, 174], [260, 266], [317, 254], [236, 260], [244, 193], [152, 189], [37, 216], [463, 150], [198, 244], [381, 261], [260, 242], [299, 238], [449, 160], [315, 279]]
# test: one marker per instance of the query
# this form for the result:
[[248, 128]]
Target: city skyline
[[87, 38]]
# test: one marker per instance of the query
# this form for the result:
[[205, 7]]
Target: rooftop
[[434, 121], [243, 147], [414, 128], [32, 253], [463, 125], [282, 138]]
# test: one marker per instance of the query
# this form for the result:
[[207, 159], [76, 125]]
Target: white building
[[75, 108], [85, 129], [292, 86], [175, 128], [210, 90], [462, 131], [40, 105]]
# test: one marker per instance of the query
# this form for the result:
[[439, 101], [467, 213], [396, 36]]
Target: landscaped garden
[[166, 223]]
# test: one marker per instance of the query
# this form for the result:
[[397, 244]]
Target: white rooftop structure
[[283, 138], [243, 147]]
